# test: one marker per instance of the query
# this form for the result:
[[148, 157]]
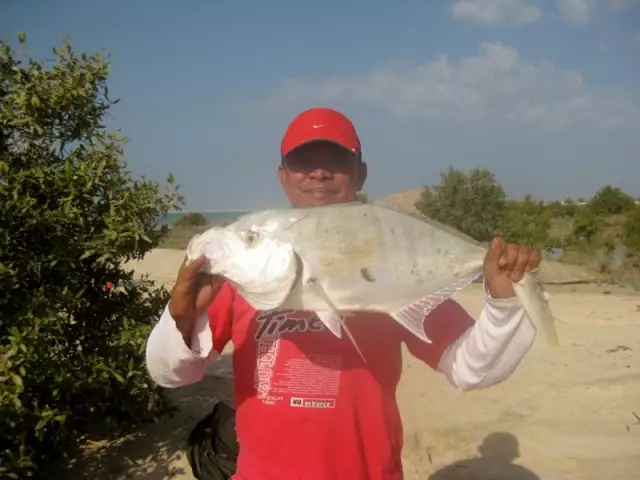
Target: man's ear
[[281, 174], [362, 174]]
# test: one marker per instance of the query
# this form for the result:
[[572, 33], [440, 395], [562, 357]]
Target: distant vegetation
[[362, 197], [602, 233], [182, 230], [193, 219]]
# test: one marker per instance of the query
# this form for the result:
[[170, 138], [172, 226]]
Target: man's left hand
[[506, 263]]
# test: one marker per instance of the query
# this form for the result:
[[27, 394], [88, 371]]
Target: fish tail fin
[[535, 302]]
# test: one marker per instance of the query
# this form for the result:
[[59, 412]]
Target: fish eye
[[252, 237]]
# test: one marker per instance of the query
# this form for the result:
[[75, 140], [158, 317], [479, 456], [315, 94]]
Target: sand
[[563, 414]]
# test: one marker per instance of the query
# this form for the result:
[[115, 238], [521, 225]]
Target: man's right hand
[[192, 293]]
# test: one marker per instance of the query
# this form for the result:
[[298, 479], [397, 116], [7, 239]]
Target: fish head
[[252, 258]]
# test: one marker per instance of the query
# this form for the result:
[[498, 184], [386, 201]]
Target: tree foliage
[[71, 349], [586, 224], [362, 197], [527, 222], [193, 219], [473, 202], [631, 232], [611, 200]]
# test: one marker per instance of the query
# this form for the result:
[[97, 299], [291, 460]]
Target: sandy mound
[[404, 201]]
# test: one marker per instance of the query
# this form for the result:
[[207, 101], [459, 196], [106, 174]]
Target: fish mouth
[[213, 244]]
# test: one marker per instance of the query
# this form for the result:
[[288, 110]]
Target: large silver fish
[[343, 258]]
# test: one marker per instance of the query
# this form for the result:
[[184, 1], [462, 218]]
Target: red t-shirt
[[307, 406]]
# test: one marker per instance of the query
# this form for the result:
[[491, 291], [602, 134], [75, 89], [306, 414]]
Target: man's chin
[[318, 198]]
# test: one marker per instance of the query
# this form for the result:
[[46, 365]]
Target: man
[[308, 407]]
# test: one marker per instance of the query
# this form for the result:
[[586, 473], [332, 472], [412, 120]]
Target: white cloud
[[577, 12], [494, 86], [492, 12], [582, 12]]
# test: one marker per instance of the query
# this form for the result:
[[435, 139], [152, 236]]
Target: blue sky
[[544, 93]]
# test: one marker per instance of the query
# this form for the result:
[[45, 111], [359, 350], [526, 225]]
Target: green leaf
[[117, 376], [17, 380], [87, 254]]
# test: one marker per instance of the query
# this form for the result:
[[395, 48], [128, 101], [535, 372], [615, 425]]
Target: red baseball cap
[[320, 124]]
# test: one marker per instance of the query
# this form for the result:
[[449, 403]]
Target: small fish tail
[[535, 303]]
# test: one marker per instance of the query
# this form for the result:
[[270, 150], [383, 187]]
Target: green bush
[[611, 201], [586, 224], [193, 219], [631, 231], [527, 223], [362, 197], [71, 348], [472, 202]]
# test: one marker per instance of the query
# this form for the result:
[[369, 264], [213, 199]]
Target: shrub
[[631, 231], [473, 202], [586, 224], [71, 348], [193, 219], [527, 223], [362, 197], [611, 201]]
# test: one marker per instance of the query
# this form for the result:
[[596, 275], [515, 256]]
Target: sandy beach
[[564, 414]]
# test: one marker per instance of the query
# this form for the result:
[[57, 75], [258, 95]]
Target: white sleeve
[[170, 362], [490, 351]]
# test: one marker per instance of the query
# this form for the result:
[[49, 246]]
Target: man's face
[[321, 173]]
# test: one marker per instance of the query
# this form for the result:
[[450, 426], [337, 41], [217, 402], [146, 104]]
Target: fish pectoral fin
[[331, 320], [333, 315]]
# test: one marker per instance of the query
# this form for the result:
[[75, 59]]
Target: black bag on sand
[[213, 446]]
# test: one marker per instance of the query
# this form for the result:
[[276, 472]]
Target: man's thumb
[[496, 248], [189, 272]]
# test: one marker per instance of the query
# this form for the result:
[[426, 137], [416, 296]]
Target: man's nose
[[320, 172]]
